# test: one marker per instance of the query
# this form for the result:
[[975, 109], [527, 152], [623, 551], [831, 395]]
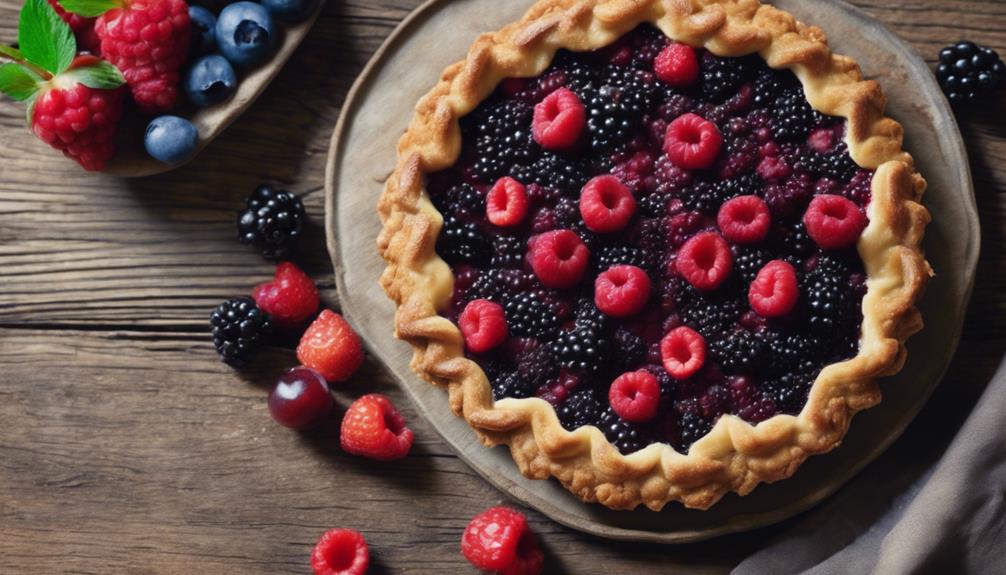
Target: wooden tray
[[362, 155], [131, 159]]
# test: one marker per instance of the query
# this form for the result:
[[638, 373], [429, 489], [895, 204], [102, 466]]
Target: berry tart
[[660, 249]]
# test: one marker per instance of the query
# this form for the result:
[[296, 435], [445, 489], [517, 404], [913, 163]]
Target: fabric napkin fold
[[918, 509]]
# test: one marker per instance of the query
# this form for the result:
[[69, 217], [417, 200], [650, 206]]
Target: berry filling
[[682, 250]]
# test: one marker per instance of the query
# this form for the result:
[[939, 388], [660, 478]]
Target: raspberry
[[80, 122], [83, 28], [148, 41], [331, 347], [773, 168], [683, 352], [744, 220], [622, 290], [340, 552], [692, 142], [677, 65], [528, 316], [774, 292], [558, 120], [239, 328], [626, 436], [705, 261], [272, 222], [606, 204], [290, 298], [499, 540], [580, 408], [558, 258], [635, 396], [506, 204], [483, 325], [373, 428], [833, 222], [581, 349]]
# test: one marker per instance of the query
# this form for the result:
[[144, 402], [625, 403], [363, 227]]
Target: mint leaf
[[101, 76], [12, 53], [90, 8], [18, 82], [44, 38]]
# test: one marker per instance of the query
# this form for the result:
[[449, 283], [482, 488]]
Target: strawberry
[[290, 298], [147, 39], [74, 102]]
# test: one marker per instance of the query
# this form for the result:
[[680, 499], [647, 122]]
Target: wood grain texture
[[126, 447]]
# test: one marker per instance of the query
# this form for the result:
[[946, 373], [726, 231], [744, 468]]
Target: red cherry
[[506, 203], [774, 291], [300, 398], [705, 261], [744, 219], [558, 120], [606, 204], [692, 142]]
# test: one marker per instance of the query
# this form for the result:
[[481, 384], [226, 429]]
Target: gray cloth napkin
[[923, 507]]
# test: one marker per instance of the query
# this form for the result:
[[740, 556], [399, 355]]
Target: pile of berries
[[158, 52], [656, 238]]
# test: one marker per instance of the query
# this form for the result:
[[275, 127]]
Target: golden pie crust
[[734, 455]]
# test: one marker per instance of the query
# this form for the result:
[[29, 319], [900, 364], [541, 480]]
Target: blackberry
[[789, 199], [589, 317], [836, 165], [749, 260], [508, 251], [580, 408], [554, 171], [652, 238], [792, 116], [240, 328], [654, 205], [580, 74], [463, 242], [693, 428], [789, 391], [787, 353], [796, 242], [526, 315], [739, 352], [648, 42], [722, 77], [827, 296], [501, 133], [616, 108], [967, 72], [511, 384], [537, 366], [581, 349], [707, 197], [712, 319], [626, 437], [629, 349], [463, 199], [271, 222], [495, 284], [621, 255], [767, 86]]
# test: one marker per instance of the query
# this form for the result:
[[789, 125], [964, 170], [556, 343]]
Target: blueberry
[[209, 81], [203, 24], [290, 10], [245, 34], [171, 139]]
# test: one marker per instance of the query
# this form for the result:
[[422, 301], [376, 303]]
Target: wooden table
[[126, 446]]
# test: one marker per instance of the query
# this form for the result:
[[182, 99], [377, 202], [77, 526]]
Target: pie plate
[[362, 155]]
